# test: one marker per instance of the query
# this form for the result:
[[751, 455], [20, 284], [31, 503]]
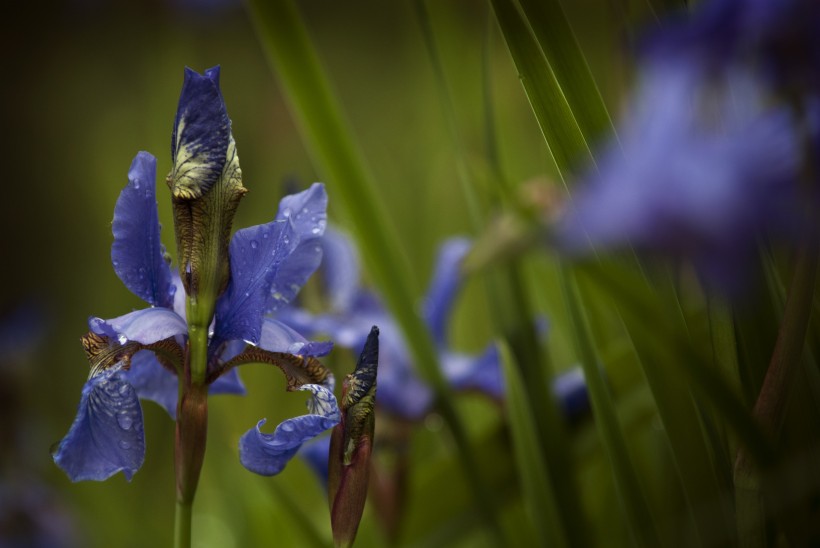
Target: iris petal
[[340, 270], [137, 253], [267, 454], [444, 286], [107, 435], [153, 382], [145, 326], [278, 337], [269, 264], [482, 373]]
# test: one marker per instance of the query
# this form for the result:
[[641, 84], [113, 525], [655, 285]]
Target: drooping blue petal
[[278, 337], [202, 132], [145, 326], [153, 382], [340, 270], [267, 454], [482, 373], [269, 264], [229, 383], [137, 253], [316, 453], [107, 435], [444, 286]]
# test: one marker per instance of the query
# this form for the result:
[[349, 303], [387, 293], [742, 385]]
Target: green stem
[[182, 525]]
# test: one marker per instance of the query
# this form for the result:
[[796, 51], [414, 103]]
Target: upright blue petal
[[137, 253], [340, 270], [202, 133], [145, 326], [106, 436], [269, 264], [316, 454], [153, 382], [444, 286], [267, 454]]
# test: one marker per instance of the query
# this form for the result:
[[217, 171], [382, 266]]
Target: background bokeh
[[87, 84]]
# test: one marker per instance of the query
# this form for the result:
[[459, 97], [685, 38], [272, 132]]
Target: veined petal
[[267, 454], [202, 132], [106, 436], [269, 264], [444, 286], [482, 373], [137, 253], [145, 326], [153, 382], [278, 337], [340, 270]]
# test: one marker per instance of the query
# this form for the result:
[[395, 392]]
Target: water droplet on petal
[[125, 445], [125, 423], [122, 339], [286, 213], [123, 390], [286, 427], [254, 244], [316, 230]]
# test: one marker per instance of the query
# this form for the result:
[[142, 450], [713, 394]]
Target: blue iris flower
[[138, 355], [402, 392]]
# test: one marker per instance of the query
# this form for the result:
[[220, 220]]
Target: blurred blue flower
[[701, 168], [354, 310], [139, 355]]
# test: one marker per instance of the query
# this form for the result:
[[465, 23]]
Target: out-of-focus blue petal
[[278, 337], [202, 132], [137, 253], [145, 326], [316, 453], [229, 383], [444, 286], [340, 270], [106, 436], [269, 263], [401, 391], [482, 373], [152, 381], [267, 454], [570, 390]]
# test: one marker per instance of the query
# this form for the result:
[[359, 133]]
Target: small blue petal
[[482, 373], [153, 382], [269, 264], [107, 435], [145, 326], [137, 253], [278, 337], [340, 270], [444, 286], [316, 454], [229, 383], [202, 132], [570, 390], [267, 454]]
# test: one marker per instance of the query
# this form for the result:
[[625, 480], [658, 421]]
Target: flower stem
[[182, 525], [191, 431]]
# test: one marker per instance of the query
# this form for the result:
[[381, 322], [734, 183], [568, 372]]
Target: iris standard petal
[[153, 382], [107, 435], [267, 454], [144, 326], [278, 337], [137, 253], [340, 270], [444, 286], [269, 264], [202, 133]]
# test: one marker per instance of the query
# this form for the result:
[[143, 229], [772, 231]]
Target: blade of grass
[[289, 49], [533, 476]]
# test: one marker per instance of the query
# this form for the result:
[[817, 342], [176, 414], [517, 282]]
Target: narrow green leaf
[[564, 137], [339, 159], [533, 476]]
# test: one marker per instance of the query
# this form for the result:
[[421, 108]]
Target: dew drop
[[123, 390], [122, 339], [286, 213], [286, 427], [125, 423], [265, 234], [254, 244], [125, 445], [316, 230], [137, 184]]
